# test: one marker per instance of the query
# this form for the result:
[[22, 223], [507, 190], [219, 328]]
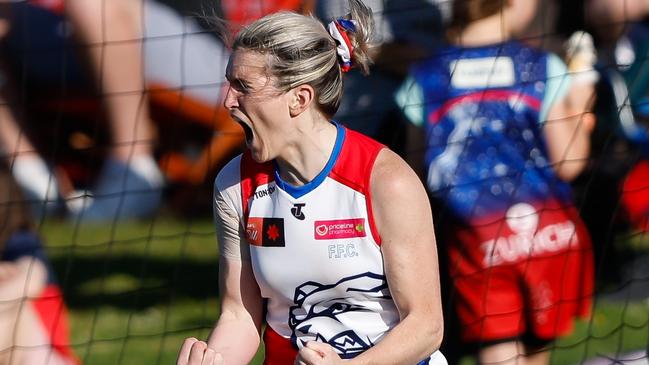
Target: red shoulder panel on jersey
[[253, 174], [354, 168]]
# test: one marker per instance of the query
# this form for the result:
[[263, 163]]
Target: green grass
[[614, 329], [136, 290]]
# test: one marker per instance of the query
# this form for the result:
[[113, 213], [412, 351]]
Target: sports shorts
[[526, 273]]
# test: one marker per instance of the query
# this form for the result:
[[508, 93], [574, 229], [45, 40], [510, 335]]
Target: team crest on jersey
[[267, 232], [339, 228], [322, 312]]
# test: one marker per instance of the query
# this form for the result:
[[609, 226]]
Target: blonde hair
[[301, 51]]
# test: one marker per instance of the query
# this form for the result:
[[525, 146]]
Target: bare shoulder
[[399, 199], [393, 177]]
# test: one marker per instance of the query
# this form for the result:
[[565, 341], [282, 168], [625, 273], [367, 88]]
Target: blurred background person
[[612, 192], [622, 34], [33, 316], [110, 34], [505, 130], [174, 78], [130, 183]]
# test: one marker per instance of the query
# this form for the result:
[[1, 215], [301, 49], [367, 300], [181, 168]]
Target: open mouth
[[246, 129]]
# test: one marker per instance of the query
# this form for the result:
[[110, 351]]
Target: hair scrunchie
[[338, 30]]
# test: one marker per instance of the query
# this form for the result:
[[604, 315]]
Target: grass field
[[136, 290]]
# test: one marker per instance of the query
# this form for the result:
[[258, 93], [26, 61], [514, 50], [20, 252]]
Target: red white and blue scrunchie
[[338, 30]]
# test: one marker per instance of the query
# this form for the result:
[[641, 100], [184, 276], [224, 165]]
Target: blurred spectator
[[33, 317], [28, 168], [624, 44], [182, 67], [129, 184], [613, 192], [505, 124]]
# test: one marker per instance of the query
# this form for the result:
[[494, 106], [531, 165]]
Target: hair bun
[[345, 49]]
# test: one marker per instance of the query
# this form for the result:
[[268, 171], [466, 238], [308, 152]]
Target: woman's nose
[[230, 100]]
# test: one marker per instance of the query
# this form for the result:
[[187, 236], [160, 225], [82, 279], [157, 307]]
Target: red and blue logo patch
[[266, 232]]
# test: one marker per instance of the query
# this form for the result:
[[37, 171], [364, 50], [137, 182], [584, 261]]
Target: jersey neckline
[[299, 191]]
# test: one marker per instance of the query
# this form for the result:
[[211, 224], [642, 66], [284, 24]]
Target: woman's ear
[[301, 98]]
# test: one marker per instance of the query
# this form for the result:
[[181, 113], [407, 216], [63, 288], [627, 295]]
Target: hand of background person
[[316, 353], [195, 352]]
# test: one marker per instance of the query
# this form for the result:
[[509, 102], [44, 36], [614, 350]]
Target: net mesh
[[115, 139]]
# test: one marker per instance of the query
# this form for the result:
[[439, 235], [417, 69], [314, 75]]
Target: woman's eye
[[240, 86]]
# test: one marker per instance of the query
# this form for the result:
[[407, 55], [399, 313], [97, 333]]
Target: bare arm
[[570, 123], [567, 131], [404, 220], [237, 332], [236, 335]]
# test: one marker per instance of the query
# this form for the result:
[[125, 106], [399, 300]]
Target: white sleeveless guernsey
[[315, 251]]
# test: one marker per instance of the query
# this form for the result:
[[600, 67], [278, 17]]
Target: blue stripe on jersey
[[299, 191]]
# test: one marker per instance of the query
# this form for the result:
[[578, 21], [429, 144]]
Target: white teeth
[[236, 119]]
